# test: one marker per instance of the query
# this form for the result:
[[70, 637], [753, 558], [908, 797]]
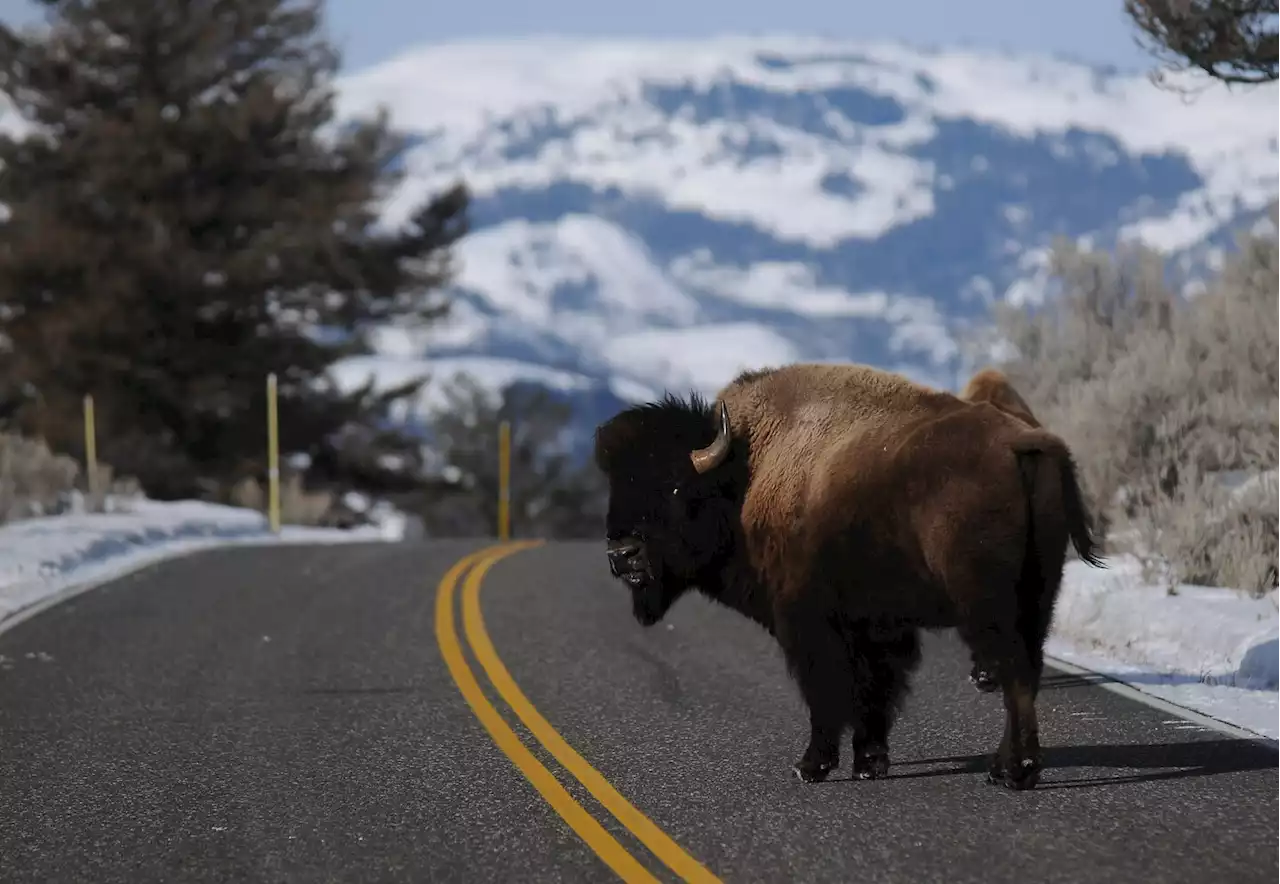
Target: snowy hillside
[[662, 214]]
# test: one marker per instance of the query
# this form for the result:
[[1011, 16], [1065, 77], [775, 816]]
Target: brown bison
[[845, 508], [991, 385]]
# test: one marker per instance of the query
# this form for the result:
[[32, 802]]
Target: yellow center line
[[636, 822], [597, 838]]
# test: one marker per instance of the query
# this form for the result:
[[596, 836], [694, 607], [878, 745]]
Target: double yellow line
[[617, 857]]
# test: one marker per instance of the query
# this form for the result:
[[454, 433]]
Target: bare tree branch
[[1233, 41]]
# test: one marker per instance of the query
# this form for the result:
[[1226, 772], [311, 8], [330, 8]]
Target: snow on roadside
[[43, 559], [1208, 649]]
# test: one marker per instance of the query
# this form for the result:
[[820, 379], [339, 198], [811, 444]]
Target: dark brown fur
[[853, 508]]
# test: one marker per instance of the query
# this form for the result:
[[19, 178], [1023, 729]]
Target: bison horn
[[713, 455]]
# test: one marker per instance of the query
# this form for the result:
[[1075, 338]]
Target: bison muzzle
[[844, 509]]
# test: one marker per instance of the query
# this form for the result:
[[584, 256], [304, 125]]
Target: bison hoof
[[812, 771], [1022, 776], [983, 680], [871, 764]]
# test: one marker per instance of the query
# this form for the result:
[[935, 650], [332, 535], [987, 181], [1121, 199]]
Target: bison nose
[[619, 553]]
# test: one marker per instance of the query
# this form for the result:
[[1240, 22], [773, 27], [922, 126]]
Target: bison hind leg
[[882, 660], [1009, 640], [1017, 764], [1017, 761]]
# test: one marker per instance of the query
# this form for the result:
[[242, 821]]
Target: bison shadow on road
[[1164, 761], [1157, 761]]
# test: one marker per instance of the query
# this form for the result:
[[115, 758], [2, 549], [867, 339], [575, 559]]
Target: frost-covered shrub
[[1167, 400]]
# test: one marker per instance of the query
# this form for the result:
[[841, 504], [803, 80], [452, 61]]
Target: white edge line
[[163, 554], [1132, 693]]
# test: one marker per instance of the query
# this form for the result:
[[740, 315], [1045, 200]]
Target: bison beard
[[844, 509]]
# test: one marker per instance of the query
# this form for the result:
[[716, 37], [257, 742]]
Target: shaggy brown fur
[[848, 508], [993, 386]]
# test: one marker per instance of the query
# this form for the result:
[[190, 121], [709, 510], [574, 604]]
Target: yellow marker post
[[273, 456], [90, 446], [504, 480]]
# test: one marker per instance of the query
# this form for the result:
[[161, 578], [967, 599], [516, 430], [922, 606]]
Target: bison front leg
[[882, 664], [818, 661], [822, 755]]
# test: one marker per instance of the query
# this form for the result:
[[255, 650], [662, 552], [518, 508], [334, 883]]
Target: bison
[[844, 509], [991, 385]]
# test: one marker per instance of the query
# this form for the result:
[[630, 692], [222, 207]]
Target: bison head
[[671, 477]]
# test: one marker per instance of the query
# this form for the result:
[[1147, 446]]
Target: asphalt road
[[290, 715]]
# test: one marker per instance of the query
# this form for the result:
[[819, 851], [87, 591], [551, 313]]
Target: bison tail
[[1078, 521]]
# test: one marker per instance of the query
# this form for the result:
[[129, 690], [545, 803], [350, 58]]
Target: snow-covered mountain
[[658, 215]]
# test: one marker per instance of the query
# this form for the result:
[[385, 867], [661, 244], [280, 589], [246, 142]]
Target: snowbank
[[44, 560], [1208, 649]]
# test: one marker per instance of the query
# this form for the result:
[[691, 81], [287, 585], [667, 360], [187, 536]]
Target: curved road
[[382, 713]]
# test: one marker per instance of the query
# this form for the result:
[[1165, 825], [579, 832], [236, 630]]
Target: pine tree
[[186, 214], [551, 495], [1232, 41]]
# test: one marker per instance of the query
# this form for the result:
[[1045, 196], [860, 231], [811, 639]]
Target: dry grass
[[298, 506], [1213, 534], [111, 494], [36, 481]]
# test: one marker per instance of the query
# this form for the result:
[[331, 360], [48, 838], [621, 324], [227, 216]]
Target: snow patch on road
[[46, 559]]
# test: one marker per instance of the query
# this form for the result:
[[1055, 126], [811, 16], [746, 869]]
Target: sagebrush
[[36, 481], [1170, 401], [166, 263], [298, 505]]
